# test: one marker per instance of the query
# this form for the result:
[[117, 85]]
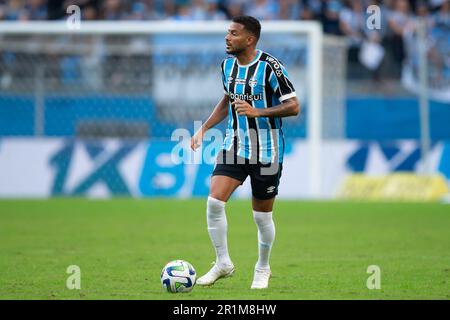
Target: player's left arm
[[289, 107]]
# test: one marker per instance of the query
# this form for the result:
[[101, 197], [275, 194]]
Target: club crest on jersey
[[252, 83], [230, 79]]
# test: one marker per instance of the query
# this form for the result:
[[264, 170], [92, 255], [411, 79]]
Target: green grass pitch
[[321, 251]]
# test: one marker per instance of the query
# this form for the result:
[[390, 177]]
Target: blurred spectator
[[235, 7], [306, 13], [144, 10], [55, 9], [35, 10], [442, 16], [89, 12], [113, 10], [422, 11], [139, 11], [312, 9], [262, 9], [440, 44], [437, 3], [197, 10], [399, 21], [213, 12], [183, 12], [352, 25], [289, 10], [168, 8], [14, 10], [330, 17]]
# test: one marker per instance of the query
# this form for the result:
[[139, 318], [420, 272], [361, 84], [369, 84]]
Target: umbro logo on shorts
[[270, 189]]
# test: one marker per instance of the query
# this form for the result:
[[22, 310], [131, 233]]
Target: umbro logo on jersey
[[273, 62], [252, 83], [271, 189], [275, 65]]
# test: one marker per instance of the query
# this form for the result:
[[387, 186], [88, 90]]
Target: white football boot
[[261, 279], [215, 273]]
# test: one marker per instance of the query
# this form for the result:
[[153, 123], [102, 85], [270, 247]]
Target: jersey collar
[[258, 55]]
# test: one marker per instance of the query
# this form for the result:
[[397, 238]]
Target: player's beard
[[235, 51]]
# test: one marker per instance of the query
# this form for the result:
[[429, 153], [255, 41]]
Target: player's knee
[[214, 205], [262, 218]]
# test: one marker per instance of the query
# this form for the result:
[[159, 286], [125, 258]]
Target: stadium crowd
[[338, 17]]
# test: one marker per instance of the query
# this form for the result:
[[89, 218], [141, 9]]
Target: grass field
[[321, 251]]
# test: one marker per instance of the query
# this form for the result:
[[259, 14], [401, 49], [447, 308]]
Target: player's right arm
[[219, 113]]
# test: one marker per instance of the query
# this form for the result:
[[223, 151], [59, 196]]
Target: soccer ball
[[178, 276]]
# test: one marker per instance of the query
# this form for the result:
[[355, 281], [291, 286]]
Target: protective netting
[[142, 86], [334, 79], [437, 46]]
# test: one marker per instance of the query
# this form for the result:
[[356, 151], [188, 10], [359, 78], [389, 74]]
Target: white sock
[[217, 229], [266, 236]]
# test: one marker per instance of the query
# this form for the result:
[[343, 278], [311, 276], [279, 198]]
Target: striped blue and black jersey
[[263, 83]]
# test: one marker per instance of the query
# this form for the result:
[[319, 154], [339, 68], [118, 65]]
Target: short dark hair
[[250, 24]]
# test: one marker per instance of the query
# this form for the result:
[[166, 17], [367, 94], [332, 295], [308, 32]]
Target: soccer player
[[257, 94]]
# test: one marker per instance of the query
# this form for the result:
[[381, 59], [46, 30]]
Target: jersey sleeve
[[222, 67], [279, 81]]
